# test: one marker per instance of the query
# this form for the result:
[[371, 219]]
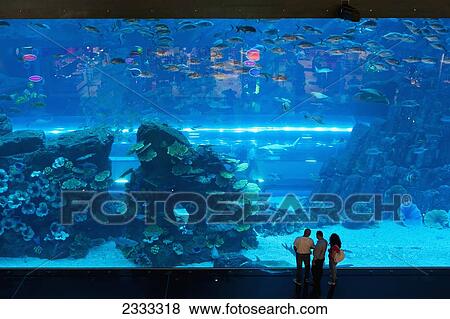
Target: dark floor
[[212, 283]]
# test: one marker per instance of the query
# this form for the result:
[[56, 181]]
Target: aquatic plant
[[73, 184], [58, 232], [68, 165], [177, 150], [102, 176], [59, 162], [240, 184], [48, 171], [215, 241], [241, 167], [242, 227], [153, 231], [180, 169], [4, 177], [28, 234], [35, 174], [3, 187], [437, 218], [3, 201], [178, 249], [148, 155], [154, 249], [136, 147], [14, 201], [252, 188], [226, 175], [42, 210], [28, 208], [34, 190]]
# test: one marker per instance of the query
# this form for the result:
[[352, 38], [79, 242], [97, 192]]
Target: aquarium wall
[[164, 143]]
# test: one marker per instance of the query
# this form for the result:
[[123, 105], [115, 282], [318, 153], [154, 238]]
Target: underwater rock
[[78, 144], [5, 125], [163, 140], [21, 142], [79, 147], [437, 218]]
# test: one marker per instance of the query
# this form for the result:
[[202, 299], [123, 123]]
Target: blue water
[[293, 111]]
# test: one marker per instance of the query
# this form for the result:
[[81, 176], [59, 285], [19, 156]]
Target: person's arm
[[295, 247]]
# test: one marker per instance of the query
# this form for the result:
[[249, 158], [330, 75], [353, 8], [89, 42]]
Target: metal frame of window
[[219, 8]]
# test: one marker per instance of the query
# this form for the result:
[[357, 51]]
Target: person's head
[[307, 232], [319, 234], [335, 240]]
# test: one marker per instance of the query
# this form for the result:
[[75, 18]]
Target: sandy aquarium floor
[[389, 245]]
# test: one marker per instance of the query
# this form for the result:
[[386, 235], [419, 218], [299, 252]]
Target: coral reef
[[178, 166], [437, 218], [33, 174]]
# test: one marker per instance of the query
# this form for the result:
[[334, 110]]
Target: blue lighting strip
[[259, 129]]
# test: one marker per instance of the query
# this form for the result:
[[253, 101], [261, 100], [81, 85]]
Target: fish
[[117, 61], [319, 95], [90, 28], [4, 23], [419, 150], [371, 95], [310, 29], [244, 28], [373, 151], [85, 157], [316, 118], [204, 23], [409, 103], [412, 59], [187, 27], [323, 70], [427, 60], [41, 25], [279, 78], [271, 31], [279, 147]]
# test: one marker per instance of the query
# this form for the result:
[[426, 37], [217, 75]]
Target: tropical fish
[[4, 23]]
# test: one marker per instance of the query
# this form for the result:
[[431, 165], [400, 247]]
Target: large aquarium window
[[215, 142]]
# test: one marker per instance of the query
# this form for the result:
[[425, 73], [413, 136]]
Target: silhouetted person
[[319, 258], [302, 247], [335, 248]]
